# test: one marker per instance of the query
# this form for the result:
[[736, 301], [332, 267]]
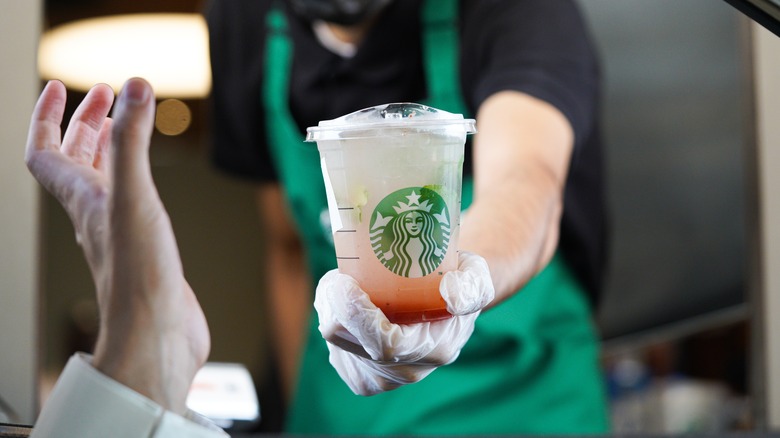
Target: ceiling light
[[168, 50]]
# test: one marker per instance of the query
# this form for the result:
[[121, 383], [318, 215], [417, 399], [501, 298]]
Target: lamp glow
[[168, 50]]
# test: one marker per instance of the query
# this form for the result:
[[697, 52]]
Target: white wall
[[20, 22], [766, 48]]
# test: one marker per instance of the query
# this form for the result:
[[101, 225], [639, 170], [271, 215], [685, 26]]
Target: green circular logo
[[410, 231]]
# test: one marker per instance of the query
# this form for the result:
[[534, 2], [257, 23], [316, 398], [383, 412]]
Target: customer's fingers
[[81, 138], [55, 171], [102, 159], [140, 228], [132, 131], [45, 129]]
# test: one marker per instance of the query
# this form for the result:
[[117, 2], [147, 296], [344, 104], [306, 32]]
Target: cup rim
[[408, 117]]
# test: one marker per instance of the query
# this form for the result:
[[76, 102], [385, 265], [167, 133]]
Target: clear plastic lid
[[382, 119]]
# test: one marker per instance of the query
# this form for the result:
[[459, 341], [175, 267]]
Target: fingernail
[[136, 91], [51, 83]]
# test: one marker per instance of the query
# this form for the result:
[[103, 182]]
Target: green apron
[[531, 365]]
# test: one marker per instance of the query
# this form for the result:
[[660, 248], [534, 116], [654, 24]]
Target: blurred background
[[682, 308]]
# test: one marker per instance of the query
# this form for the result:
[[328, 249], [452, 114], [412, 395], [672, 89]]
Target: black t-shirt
[[539, 47]]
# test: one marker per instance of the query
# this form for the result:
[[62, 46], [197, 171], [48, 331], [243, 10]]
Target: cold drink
[[393, 178]]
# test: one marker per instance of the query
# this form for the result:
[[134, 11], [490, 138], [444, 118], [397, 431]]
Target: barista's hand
[[153, 336], [373, 355]]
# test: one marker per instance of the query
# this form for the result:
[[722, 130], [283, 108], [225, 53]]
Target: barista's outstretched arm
[[521, 160]]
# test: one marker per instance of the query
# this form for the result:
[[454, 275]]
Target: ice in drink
[[393, 178]]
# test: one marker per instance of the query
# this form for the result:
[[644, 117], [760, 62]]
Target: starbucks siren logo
[[410, 231]]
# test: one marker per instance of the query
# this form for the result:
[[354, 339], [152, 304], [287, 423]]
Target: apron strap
[[441, 55], [297, 163], [280, 125]]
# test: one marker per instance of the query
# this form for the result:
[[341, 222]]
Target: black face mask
[[344, 12]]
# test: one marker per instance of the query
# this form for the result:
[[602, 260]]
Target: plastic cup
[[393, 180]]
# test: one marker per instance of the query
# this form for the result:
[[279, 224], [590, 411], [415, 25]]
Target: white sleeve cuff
[[86, 403]]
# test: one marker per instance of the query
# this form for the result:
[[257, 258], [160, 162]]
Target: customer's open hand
[[153, 335]]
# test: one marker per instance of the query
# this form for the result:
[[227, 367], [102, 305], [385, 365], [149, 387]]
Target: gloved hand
[[373, 355]]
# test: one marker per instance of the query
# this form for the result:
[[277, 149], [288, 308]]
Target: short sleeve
[[541, 48]]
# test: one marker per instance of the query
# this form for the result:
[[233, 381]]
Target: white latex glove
[[373, 355]]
